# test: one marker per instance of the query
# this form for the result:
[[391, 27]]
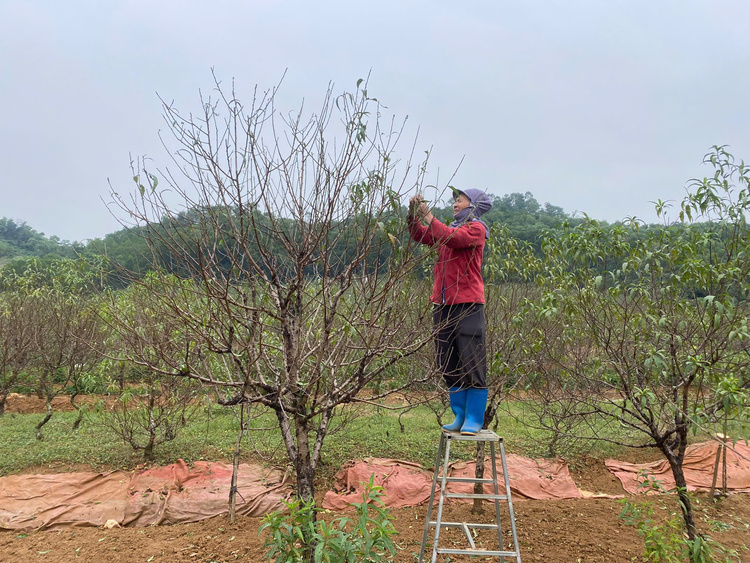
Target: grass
[[368, 431], [516, 421]]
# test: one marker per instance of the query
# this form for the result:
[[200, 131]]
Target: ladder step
[[477, 552], [467, 495], [461, 524], [467, 480], [483, 436]]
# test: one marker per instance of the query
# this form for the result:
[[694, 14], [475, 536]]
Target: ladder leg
[[510, 504], [497, 502], [432, 496], [442, 463], [442, 497]]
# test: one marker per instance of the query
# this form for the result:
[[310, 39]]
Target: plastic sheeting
[[540, 479], [408, 484], [162, 495], [699, 463], [404, 483]]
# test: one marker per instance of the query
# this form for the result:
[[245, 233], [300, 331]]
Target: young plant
[[666, 542], [298, 536]]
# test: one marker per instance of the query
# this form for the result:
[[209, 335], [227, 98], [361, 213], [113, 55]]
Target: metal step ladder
[[444, 455]]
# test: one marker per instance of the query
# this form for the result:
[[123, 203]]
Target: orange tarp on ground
[[698, 466], [404, 483], [529, 478], [163, 495], [409, 484]]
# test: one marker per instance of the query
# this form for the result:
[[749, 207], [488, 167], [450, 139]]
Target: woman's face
[[461, 203]]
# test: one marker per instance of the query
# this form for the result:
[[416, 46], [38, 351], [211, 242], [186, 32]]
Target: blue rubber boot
[[458, 406], [476, 402]]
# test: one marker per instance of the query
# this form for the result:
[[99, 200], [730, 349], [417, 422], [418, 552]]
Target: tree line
[[524, 217]]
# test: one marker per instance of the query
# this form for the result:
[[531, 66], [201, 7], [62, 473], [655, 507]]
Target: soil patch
[[585, 530], [30, 404], [591, 476]]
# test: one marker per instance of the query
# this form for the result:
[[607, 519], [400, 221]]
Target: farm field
[[585, 530]]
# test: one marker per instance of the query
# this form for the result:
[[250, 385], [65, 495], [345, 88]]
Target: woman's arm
[[467, 235], [418, 212]]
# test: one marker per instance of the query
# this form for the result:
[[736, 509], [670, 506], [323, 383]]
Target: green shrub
[[297, 536], [666, 543]]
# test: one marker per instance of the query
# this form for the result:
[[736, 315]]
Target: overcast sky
[[599, 106]]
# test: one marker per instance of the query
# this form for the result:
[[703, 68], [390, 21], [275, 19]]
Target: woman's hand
[[418, 208], [414, 204]]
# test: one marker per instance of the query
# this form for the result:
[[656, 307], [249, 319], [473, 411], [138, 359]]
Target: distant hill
[[20, 241]]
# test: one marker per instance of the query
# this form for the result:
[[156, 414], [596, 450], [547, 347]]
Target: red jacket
[[458, 271]]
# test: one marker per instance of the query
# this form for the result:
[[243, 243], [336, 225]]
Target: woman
[[458, 297]]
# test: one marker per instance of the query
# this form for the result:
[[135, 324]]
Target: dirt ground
[[578, 531], [582, 530], [29, 404]]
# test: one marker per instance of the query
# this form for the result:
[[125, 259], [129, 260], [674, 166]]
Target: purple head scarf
[[479, 204]]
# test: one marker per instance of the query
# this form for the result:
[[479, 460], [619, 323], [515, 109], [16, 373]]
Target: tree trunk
[[3, 399], [478, 507], [552, 446], [45, 420], [79, 419], [675, 463], [489, 416], [236, 467], [305, 480], [297, 443], [148, 451], [78, 409], [303, 462]]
